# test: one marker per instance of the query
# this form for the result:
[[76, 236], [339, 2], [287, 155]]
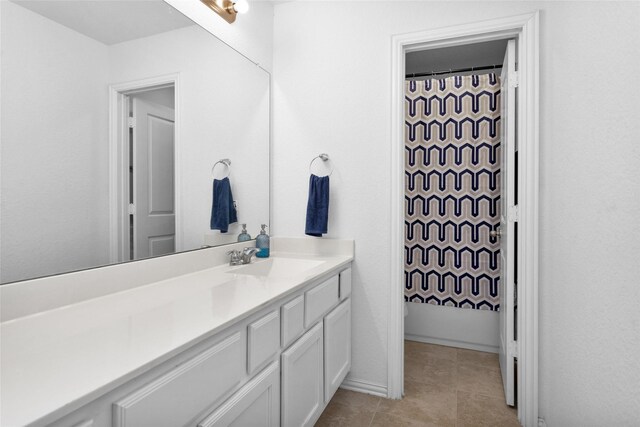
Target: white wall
[[452, 326], [251, 34], [224, 113], [53, 101], [332, 64]]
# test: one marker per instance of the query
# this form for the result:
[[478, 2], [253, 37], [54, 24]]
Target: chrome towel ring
[[325, 158], [225, 162]]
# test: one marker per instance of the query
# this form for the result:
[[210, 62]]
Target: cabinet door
[[292, 320], [257, 404], [337, 347], [345, 284], [302, 378], [263, 337], [320, 299]]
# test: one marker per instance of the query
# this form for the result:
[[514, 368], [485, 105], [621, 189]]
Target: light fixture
[[241, 6], [227, 9]]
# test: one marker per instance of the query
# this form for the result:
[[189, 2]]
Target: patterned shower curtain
[[452, 194]]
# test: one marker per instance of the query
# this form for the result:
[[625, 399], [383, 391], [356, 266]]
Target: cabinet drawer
[[179, 395], [263, 337], [320, 299], [292, 320], [345, 284]]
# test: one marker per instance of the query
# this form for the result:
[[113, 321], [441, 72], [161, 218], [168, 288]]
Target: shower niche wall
[[453, 195]]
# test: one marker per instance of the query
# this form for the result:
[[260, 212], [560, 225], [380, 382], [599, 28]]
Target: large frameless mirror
[[116, 118]]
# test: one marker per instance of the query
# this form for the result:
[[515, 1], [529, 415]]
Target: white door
[[506, 233], [154, 227]]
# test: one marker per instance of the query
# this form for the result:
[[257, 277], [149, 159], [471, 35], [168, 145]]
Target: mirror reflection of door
[[151, 197]]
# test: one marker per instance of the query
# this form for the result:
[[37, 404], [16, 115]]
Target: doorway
[[151, 199], [453, 195], [144, 169], [523, 30], [459, 162]]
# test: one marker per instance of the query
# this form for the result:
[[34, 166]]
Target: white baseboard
[[363, 386], [452, 343]]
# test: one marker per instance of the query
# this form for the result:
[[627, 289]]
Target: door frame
[[525, 29], [118, 153]]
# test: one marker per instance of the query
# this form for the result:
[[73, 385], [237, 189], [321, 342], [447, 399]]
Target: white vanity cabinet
[[316, 364], [278, 366]]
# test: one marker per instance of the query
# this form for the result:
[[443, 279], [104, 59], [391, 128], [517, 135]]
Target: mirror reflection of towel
[[223, 212], [317, 206]]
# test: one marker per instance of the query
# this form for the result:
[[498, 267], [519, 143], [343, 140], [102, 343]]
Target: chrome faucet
[[237, 257], [248, 253]]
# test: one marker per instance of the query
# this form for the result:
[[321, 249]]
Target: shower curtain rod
[[450, 71]]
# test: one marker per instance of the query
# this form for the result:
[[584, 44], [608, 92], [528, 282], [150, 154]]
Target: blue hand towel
[[317, 206], [223, 212]]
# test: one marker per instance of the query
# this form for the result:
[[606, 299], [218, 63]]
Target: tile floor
[[444, 386]]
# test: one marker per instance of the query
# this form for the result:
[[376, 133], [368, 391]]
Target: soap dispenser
[[262, 243], [244, 236]]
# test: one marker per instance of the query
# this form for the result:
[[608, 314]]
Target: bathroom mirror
[[113, 115]]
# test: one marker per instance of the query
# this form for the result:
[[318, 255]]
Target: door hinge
[[514, 79], [513, 213], [513, 349], [132, 122], [132, 209]]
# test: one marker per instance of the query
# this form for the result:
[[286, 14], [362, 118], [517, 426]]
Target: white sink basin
[[277, 267]]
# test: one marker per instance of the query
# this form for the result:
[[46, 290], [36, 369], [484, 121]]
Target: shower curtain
[[452, 194]]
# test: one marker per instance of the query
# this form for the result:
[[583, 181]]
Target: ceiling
[[110, 21], [457, 57]]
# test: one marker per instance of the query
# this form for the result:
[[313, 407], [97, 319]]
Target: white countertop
[[58, 360]]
